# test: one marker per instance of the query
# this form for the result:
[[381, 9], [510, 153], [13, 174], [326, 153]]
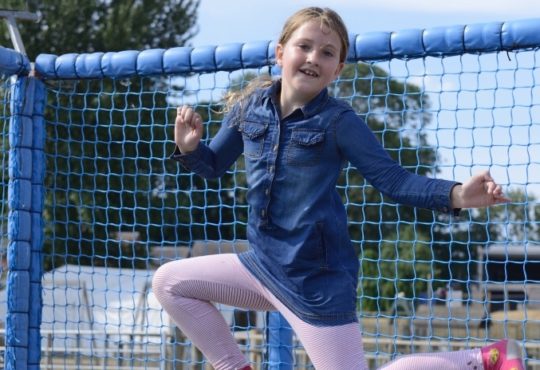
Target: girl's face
[[309, 61]]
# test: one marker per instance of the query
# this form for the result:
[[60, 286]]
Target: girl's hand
[[188, 129], [479, 191]]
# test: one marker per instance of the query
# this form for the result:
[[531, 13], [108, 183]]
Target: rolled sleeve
[[441, 196], [187, 160]]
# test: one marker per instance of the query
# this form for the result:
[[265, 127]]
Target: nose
[[313, 57]]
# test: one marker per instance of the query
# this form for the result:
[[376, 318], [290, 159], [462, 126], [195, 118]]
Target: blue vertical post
[[280, 343], [25, 231], [38, 201]]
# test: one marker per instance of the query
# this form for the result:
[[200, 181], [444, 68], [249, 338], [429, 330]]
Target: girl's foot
[[502, 355]]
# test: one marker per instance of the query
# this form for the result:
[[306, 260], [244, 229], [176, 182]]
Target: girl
[[295, 139]]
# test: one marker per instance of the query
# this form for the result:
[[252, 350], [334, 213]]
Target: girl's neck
[[288, 104], [285, 109]]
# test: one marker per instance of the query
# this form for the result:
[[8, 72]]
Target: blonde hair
[[326, 16]]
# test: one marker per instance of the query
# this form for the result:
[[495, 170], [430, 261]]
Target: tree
[[396, 112], [403, 263], [106, 139], [101, 25]]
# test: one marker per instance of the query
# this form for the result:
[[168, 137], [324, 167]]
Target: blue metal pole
[[280, 343]]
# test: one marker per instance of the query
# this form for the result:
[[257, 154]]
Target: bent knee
[[161, 280]]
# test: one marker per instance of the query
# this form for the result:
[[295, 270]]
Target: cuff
[[176, 155], [187, 160], [455, 211]]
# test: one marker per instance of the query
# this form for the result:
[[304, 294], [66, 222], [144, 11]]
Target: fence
[[93, 204]]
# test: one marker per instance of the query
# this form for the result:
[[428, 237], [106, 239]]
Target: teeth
[[310, 73]]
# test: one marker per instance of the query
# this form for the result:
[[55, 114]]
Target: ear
[[279, 54], [339, 69]]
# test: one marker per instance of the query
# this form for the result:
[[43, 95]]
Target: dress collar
[[310, 109]]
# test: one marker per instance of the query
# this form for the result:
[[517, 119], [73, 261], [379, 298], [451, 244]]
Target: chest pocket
[[306, 147], [253, 134]]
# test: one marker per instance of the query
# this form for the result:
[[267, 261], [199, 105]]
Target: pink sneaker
[[502, 355]]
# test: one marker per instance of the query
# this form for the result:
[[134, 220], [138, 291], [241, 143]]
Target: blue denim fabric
[[297, 229]]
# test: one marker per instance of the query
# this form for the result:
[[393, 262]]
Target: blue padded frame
[[25, 224], [13, 63], [372, 46]]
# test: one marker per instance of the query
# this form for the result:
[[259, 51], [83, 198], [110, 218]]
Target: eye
[[329, 53], [304, 47]]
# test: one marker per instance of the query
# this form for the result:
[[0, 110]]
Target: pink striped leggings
[[186, 288]]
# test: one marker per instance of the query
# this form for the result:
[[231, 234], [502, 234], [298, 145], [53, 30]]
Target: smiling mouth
[[309, 73]]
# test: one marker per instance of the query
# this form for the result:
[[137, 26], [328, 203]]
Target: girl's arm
[[207, 161], [360, 146]]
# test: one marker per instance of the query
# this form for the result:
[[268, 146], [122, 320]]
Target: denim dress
[[300, 248]]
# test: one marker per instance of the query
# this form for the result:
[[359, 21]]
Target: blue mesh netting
[[444, 102]]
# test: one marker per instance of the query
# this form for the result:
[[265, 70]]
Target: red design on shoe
[[502, 355], [247, 367]]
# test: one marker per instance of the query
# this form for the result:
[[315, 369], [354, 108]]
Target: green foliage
[[106, 140], [108, 145], [78, 26], [395, 112], [402, 248], [402, 263], [101, 172]]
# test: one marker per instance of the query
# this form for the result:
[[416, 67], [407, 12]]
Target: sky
[[230, 21], [238, 21]]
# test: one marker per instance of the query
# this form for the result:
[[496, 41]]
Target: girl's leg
[[185, 289], [458, 360], [340, 347], [328, 347], [503, 355]]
